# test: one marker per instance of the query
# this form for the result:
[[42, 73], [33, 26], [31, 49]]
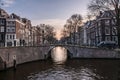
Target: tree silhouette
[[72, 24]]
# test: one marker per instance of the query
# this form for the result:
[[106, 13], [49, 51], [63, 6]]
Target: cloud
[[57, 23], [7, 3]]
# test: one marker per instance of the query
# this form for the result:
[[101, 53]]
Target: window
[[114, 31], [9, 43], [114, 38], [2, 22], [99, 23], [7, 36], [2, 29], [8, 30], [0, 37], [10, 36], [107, 38], [13, 36], [107, 30], [10, 23], [99, 31], [107, 22], [113, 22], [13, 30], [13, 22]]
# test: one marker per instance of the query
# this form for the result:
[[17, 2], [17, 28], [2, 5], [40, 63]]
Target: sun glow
[[58, 34], [59, 54]]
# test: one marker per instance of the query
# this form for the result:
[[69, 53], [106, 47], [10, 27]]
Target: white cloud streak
[[7, 3]]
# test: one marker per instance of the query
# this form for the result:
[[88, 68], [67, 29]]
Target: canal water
[[61, 68]]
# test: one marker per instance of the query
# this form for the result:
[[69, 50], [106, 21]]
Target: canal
[[62, 68]]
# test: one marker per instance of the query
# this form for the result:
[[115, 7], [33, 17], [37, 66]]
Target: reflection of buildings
[[101, 29], [14, 31]]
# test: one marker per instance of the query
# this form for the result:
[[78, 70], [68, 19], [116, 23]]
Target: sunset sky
[[53, 12]]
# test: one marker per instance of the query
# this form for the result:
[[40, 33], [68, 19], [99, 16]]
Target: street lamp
[[43, 36]]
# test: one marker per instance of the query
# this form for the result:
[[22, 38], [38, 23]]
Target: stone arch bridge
[[25, 54]]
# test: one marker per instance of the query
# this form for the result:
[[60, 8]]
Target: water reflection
[[61, 73], [59, 55], [73, 69]]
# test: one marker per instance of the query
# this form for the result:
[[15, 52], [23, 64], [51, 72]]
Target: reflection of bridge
[[26, 54]]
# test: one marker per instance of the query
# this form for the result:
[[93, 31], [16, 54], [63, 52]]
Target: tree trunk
[[118, 26]]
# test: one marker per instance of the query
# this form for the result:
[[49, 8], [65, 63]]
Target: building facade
[[14, 31], [103, 28], [3, 16]]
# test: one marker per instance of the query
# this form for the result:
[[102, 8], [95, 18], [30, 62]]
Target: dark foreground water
[[74, 69]]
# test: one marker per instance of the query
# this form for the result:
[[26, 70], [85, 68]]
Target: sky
[[53, 12]]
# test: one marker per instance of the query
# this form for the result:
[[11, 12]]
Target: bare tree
[[49, 33], [76, 21], [103, 5], [73, 23]]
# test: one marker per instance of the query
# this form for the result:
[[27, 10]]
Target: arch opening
[[1, 64], [59, 54]]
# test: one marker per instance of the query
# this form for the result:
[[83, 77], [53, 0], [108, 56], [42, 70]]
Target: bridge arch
[[1, 63], [69, 53], [1, 60]]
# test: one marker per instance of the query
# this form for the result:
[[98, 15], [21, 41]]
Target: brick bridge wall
[[27, 54]]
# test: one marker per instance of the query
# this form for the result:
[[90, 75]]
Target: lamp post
[[43, 36]]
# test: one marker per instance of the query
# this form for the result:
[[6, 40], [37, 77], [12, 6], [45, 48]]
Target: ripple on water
[[61, 73]]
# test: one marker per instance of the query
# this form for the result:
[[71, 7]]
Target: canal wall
[[11, 56], [18, 55], [95, 53]]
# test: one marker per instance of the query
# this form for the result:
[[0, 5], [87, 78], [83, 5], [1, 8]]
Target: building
[[106, 29], [28, 31], [103, 28], [90, 31], [14, 30], [81, 36], [3, 16]]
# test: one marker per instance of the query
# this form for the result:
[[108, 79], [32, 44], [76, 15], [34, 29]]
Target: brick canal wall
[[28, 54]]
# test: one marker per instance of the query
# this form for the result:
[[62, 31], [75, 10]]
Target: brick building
[[3, 16], [14, 30]]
